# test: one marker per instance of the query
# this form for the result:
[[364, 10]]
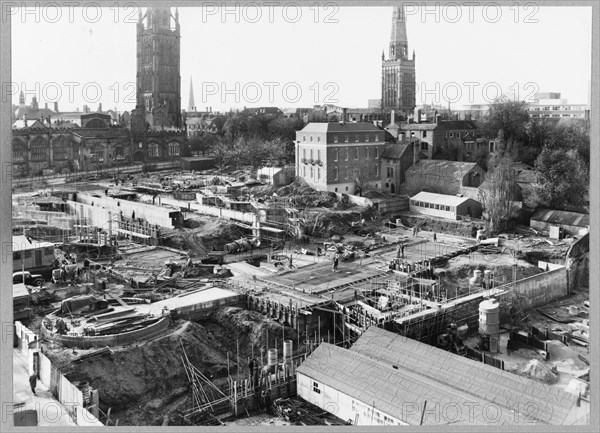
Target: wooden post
[[423, 412], [319, 327], [343, 329], [235, 398]]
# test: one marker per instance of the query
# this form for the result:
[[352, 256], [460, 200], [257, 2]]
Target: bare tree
[[498, 192]]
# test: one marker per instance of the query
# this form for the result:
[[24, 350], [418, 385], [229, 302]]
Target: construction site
[[204, 298]]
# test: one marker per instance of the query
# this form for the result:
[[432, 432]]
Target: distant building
[[474, 111], [445, 206], [457, 138], [32, 111], [374, 104], [338, 156], [85, 119], [550, 105], [265, 111], [398, 87], [67, 150], [397, 158], [198, 123], [25, 123]]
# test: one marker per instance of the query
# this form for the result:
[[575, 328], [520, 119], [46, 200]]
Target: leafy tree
[[562, 167], [562, 176], [235, 126], [219, 122], [186, 150], [222, 151], [508, 116], [257, 152], [498, 192]]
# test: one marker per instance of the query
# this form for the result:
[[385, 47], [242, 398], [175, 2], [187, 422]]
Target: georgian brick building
[[339, 156]]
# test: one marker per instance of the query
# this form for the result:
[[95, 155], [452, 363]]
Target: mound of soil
[[201, 235], [440, 225], [146, 383]]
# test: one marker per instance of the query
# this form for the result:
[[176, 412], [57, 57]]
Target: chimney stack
[[46, 105], [25, 120], [393, 117], [56, 106], [100, 107]]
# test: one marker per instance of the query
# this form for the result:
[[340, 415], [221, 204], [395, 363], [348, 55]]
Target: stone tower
[[158, 79], [398, 80]]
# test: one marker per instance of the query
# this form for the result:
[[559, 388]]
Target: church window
[[39, 150], [153, 150], [173, 148], [97, 154]]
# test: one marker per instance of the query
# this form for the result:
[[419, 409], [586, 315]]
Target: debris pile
[[537, 370]]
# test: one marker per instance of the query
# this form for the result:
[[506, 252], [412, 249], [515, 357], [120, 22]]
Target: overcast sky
[[319, 56]]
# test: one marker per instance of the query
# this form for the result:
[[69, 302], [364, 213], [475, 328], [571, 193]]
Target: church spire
[[191, 100], [398, 40]]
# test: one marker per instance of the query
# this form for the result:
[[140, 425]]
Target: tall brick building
[[340, 156], [158, 54], [398, 88]]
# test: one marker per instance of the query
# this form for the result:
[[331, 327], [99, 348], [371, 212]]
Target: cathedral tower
[[158, 79], [398, 87]]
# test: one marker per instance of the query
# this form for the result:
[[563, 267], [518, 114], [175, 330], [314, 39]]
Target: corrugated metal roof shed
[[396, 392], [445, 199], [561, 217], [503, 388], [441, 167]]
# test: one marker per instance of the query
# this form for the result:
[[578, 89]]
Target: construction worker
[[434, 237], [336, 261], [399, 253], [33, 382], [402, 249]]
